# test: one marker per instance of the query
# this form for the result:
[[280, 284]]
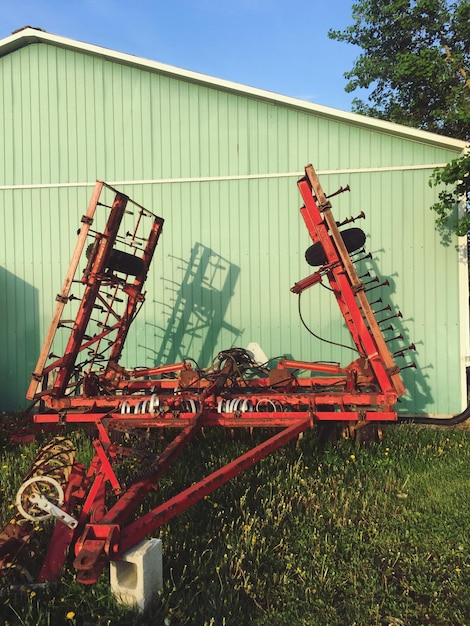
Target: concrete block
[[139, 575]]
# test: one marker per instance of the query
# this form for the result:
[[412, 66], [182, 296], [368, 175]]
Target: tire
[[120, 261], [354, 238], [126, 263]]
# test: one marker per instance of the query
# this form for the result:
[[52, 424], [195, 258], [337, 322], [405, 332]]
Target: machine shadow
[[19, 338], [199, 308], [394, 325]]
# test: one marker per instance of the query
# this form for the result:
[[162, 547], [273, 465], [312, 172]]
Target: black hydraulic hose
[[436, 421]]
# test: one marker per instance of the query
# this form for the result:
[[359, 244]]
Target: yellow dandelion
[[70, 615]]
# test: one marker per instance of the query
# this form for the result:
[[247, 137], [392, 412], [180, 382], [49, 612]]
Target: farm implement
[[78, 382]]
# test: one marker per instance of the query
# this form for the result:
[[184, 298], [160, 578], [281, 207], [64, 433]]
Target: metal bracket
[[43, 503]]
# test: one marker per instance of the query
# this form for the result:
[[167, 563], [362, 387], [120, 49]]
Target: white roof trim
[[30, 35]]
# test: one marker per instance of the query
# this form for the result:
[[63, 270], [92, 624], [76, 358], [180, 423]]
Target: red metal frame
[[346, 285], [88, 386], [112, 293]]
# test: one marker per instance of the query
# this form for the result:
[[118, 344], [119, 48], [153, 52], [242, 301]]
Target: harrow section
[[45, 489], [85, 384]]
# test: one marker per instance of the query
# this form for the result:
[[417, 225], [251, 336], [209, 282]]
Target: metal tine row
[[391, 317], [142, 211], [129, 239], [351, 219], [356, 258], [360, 251]]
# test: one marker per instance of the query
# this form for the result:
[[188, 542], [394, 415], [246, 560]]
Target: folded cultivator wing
[[78, 380]]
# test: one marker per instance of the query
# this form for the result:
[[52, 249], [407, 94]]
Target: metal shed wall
[[221, 168]]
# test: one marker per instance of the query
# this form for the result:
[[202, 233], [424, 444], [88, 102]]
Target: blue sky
[[278, 45]]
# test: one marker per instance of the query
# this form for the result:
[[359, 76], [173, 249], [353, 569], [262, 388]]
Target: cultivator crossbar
[[85, 385]]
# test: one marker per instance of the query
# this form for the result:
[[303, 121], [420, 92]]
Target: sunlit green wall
[[224, 167]]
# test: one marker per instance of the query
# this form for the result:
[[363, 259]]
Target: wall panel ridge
[[221, 168]]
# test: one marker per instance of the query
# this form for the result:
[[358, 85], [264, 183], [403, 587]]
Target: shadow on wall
[[198, 305], [395, 329], [19, 339]]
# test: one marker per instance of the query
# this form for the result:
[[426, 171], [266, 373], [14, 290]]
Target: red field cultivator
[[84, 385]]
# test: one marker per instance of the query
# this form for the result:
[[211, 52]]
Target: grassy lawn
[[338, 535]]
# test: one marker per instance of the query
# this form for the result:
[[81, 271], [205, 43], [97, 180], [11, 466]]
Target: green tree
[[415, 61], [456, 178]]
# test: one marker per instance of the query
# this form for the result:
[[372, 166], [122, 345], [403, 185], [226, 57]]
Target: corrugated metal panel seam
[[30, 35], [203, 179]]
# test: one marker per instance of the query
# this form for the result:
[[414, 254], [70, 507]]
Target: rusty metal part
[[18, 548]]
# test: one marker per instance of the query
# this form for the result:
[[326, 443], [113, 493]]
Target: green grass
[[339, 535]]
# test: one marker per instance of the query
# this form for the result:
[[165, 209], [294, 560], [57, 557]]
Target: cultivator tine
[[401, 353], [362, 258], [340, 190], [356, 253], [394, 338], [385, 308], [391, 317], [349, 220], [385, 283]]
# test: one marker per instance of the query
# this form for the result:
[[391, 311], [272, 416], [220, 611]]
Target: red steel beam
[[345, 282], [148, 523], [100, 541], [93, 284], [62, 298]]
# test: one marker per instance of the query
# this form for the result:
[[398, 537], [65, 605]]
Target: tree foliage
[[456, 178], [415, 59]]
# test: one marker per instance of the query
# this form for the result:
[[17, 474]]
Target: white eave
[[28, 35]]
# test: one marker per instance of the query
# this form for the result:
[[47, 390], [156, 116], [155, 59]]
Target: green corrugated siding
[[231, 249]]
